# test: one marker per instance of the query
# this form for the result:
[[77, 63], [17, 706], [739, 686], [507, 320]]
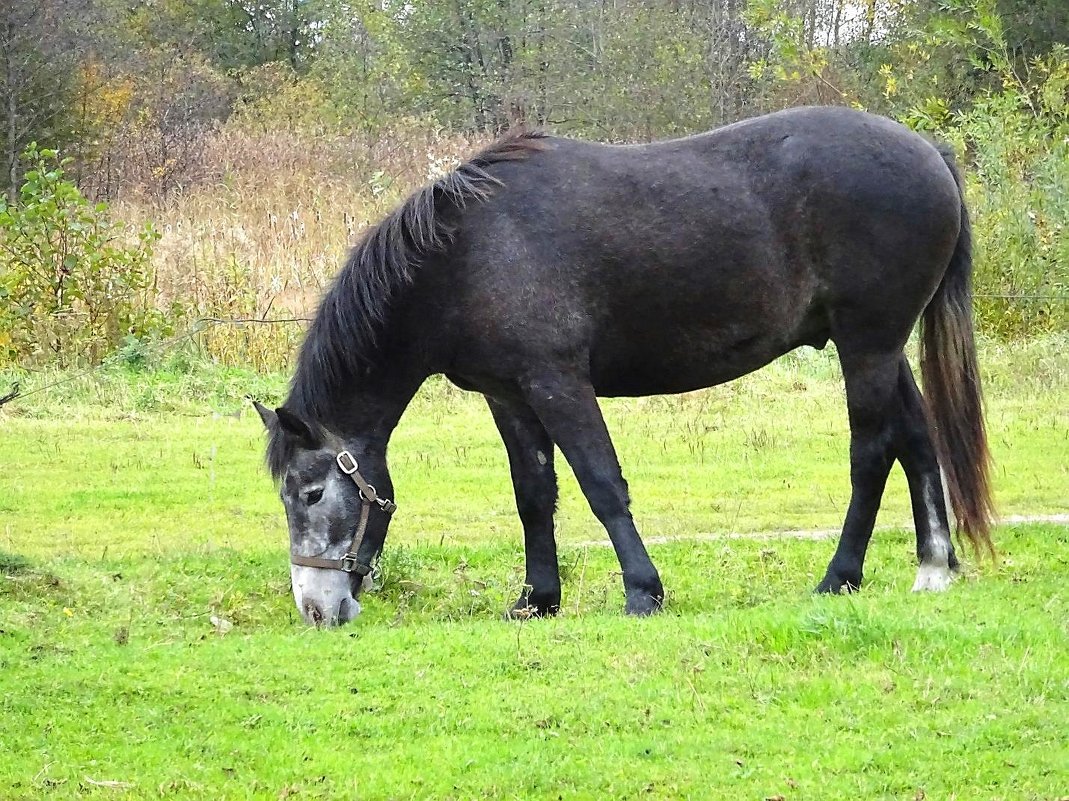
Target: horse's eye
[[315, 496]]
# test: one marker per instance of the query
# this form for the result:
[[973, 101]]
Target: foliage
[[1014, 138], [1033, 27], [71, 284], [1018, 142], [180, 100], [233, 34], [42, 47], [631, 69], [12, 564]]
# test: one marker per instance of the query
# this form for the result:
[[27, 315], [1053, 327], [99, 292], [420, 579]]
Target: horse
[[545, 272]]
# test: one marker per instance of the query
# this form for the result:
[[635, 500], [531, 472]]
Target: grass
[[170, 459], [149, 647], [746, 688]]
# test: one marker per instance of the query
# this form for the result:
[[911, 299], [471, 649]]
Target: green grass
[[134, 510], [747, 687]]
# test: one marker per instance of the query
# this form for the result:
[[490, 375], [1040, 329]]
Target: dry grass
[[261, 230]]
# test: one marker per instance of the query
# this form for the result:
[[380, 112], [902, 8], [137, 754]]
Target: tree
[[41, 45], [1033, 27], [233, 34]]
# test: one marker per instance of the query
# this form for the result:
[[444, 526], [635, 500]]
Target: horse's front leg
[[531, 462], [568, 408]]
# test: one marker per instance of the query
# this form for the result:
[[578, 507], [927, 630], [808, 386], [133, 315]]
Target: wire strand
[[988, 296]]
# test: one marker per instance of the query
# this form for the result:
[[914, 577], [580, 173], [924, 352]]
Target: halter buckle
[[349, 563], [346, 462]]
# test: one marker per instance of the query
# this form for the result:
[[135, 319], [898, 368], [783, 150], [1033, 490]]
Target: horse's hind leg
[[917, 456], [887, 422], [530, 454], [872, 403], [566, 404]]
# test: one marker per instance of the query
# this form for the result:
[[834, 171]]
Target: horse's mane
[[342, 339]]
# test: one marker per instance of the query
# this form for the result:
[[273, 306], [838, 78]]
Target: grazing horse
[[545, 272]]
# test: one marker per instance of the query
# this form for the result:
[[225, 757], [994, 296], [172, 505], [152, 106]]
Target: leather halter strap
[[349, 563]]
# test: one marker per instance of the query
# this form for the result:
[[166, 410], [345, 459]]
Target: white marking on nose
[[323, 596], [542, 458]]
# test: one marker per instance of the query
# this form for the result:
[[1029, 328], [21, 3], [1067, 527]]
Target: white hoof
[[932, 578]]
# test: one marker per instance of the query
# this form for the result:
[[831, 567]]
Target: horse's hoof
[[528, 608], [642, 604], [932, 578], [838, 585]]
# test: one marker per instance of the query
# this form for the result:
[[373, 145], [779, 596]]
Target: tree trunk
[[471, 54], [870, 20], [543, 66], [12, 111], [294, 33]]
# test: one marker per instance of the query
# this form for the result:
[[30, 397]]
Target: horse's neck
[[349, 398], [375, 404]]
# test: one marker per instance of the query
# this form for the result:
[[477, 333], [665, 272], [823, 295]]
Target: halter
[[349, 563]]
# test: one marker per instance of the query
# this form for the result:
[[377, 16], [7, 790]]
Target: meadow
[[149, 647]]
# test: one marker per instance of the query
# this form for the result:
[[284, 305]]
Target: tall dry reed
[[266, 222]]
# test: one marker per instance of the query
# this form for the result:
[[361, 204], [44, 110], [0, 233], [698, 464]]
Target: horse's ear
[[267, 415], [293, 426]]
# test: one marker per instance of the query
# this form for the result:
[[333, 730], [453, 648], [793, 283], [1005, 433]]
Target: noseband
[[368, 497]]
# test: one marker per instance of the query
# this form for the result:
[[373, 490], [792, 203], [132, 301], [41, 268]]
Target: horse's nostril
[[313, 613], [350, 608]]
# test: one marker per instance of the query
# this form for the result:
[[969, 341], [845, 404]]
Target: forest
[[165, 161]]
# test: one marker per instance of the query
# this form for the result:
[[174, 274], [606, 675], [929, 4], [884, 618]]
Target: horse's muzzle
[[323, 597]]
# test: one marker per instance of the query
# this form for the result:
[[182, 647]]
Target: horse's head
[[337, 518]]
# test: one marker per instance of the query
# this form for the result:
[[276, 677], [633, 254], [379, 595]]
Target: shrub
[[1018, 146], [72, 282]]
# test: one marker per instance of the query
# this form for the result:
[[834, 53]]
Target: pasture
[[149, 646]]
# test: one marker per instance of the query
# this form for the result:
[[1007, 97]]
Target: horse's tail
[[952, 388]]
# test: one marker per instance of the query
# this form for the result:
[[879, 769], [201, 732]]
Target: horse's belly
[[647, 371]]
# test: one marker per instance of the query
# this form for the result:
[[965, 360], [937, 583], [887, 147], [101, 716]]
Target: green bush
[[73, 283], [1017, 141]]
